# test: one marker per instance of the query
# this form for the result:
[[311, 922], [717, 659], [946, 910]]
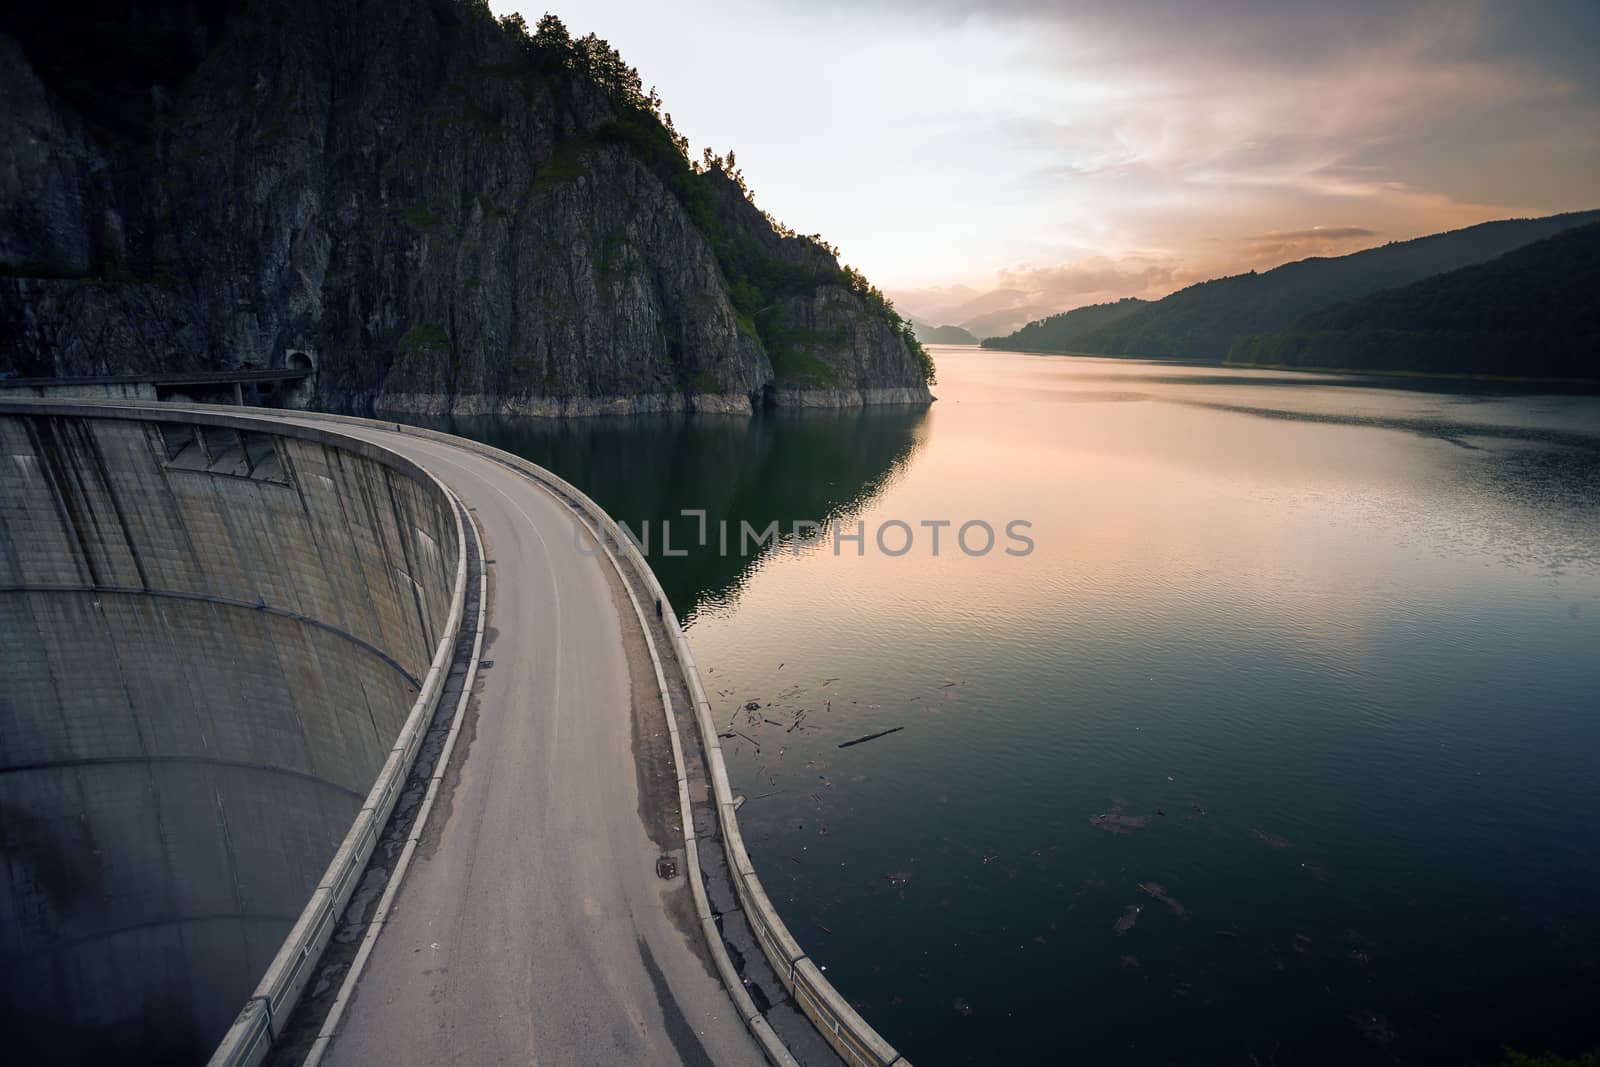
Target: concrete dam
[[211, 637], [327, 740]]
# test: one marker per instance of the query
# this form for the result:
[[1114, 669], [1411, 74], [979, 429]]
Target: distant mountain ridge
[[986, 314], [1533, 312], [941, 335], [1065, 331], [1205, 321]]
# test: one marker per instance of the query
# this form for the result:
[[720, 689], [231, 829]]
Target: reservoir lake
[[1273, 739]]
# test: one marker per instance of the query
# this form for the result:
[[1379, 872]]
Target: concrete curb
[[777, 1054], [330, 1025]]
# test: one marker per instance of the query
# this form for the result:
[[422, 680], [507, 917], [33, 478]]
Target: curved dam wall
[[212, 628]]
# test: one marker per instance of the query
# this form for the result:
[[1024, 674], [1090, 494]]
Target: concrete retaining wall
[[213, 630]]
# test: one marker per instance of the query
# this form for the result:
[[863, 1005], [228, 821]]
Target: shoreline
[[1353, 372]]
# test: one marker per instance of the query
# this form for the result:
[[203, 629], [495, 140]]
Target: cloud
[[1282, 246], [1086, 280], [1322, 233], [1084, 147]]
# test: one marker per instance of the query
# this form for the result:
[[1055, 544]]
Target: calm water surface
[[1281, 746]]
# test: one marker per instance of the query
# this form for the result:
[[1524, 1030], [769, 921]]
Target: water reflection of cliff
[[783, 467]]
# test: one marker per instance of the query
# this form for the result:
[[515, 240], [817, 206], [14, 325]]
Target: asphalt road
[[532, 927]]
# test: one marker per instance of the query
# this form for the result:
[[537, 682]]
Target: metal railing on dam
[[218, 632]]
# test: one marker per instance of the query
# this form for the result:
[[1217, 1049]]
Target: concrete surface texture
[[208, 641], [533, 925]]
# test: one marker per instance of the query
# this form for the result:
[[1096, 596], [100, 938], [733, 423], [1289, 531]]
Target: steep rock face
[[396, 195]]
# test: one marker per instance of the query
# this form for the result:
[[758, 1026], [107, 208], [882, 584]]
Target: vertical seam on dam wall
[[92, 445], [53, 477]]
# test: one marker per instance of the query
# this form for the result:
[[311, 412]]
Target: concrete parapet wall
[[857, 1043], [213, 631]]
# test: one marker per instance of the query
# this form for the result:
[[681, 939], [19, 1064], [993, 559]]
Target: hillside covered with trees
[[1534, 312], [1204, 321]]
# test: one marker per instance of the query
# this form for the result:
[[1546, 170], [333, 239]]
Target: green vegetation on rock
[[763, 260]]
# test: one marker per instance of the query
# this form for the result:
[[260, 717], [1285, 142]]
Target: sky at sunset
[[1079, 152]]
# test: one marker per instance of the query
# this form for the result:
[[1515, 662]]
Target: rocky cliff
[[437, 211]]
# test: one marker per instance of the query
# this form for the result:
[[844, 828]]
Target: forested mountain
[[441, 211], [1534, 312], [1204, 321], [1067, 331], [942, 335]]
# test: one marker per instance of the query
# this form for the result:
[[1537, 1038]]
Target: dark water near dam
[[1280, 746]]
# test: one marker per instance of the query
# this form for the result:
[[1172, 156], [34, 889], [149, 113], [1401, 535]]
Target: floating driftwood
[[871, 737]]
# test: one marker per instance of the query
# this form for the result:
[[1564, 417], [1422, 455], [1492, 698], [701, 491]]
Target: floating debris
[[1154, 891], [752, 705], [1125, 923], [1301, 942], [963, 1007], [1130, 962], [1228, 934], [871, 737], [1270, 840], [1117, 821]]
